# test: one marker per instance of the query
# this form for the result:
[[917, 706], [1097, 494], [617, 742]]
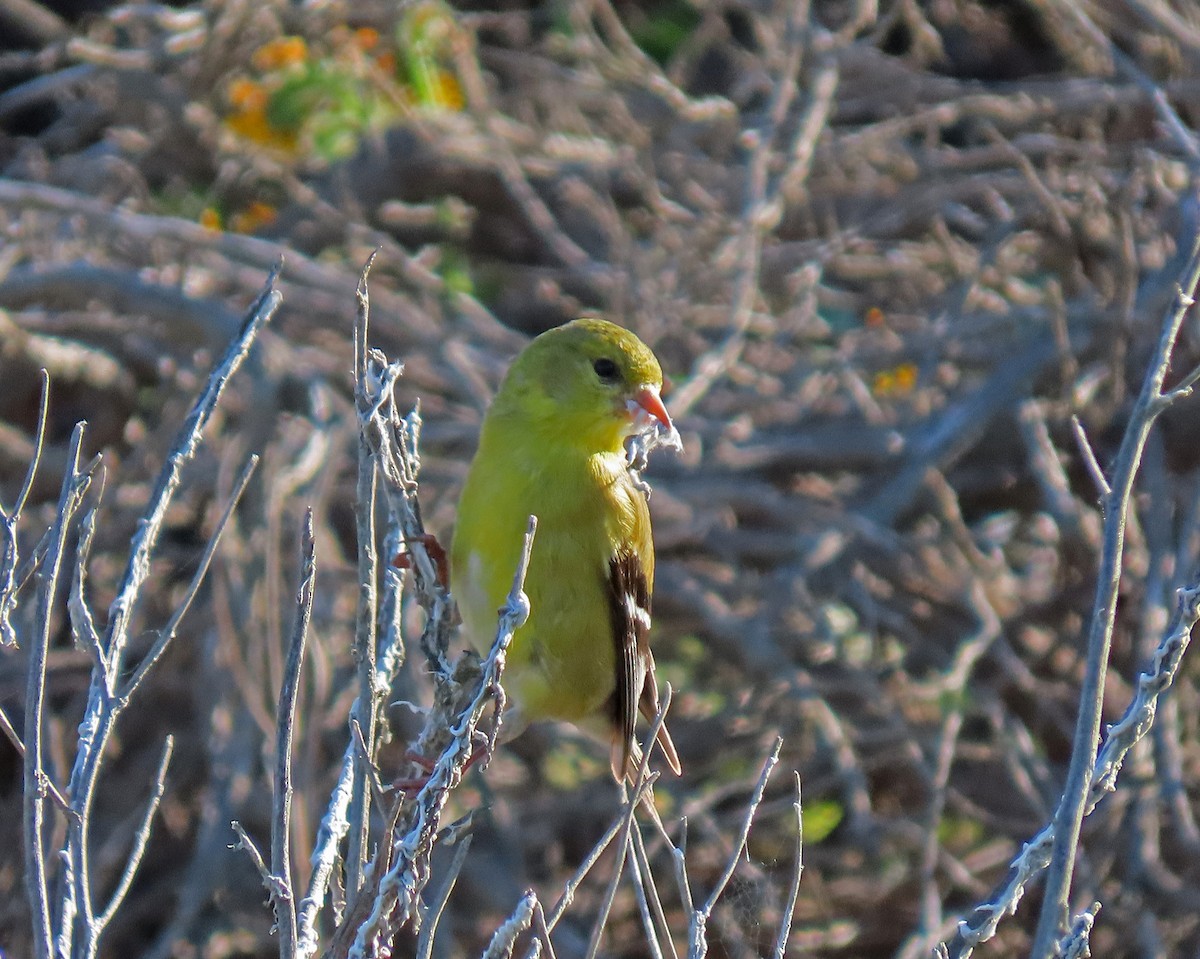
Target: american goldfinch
[[553, 445]]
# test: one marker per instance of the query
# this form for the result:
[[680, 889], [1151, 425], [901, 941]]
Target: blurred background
[[885, 251]]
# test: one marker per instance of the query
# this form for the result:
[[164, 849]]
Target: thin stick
[[34, 768], [789, 911], [640, 785], [140, 837], [9, 520], [365, 710], [1069, 817], [7, 728], [505, 937], [104, 705], [540, 930], [641, 880], [39, 443], [281, 819], [655, 900], [167, 633], [395, 901], [573, 884], [433, 913], [755, 801], [1089, 458]]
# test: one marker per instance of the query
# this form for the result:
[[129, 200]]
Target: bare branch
[[36, 882], [755, 800], [1071, 810], [433, 912], [281, 819], [9, 558], [1089, 458], [395, 901], [168, 632], [365, 712], [10, 732], [141, 837], [789, 910]]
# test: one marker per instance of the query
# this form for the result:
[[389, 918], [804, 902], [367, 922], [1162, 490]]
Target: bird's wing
[[629, 604], [636, 689]]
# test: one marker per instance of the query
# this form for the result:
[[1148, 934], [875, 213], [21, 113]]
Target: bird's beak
[[647, 401]]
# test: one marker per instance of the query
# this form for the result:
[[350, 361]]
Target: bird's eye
[[605, 368]]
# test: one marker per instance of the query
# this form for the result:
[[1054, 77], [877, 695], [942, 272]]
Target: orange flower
[[282, 52], [256, 215], [247, 95], [366, 38], [210, 219], [254, 125]]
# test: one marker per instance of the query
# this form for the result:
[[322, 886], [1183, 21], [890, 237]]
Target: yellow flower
[[897, 381], [210, 219]]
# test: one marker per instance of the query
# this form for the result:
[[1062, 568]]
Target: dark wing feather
[[629, 605]]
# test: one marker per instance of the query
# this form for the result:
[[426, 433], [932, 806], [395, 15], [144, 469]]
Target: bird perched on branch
[[553, 445]]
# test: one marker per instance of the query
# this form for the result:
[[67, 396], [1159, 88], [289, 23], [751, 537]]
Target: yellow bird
[[553, 444]]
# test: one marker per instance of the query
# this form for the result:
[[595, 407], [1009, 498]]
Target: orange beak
[[648, 399]]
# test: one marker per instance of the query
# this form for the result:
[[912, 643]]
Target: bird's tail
[[625, 758]]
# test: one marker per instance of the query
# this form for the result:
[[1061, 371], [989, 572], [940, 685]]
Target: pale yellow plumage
[[553, 445]]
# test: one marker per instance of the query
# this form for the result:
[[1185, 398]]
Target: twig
[[365, 711], [396, 899], [647, 888], [78, 934], [10, 518], [789, 910], [642, 881], [541, 932], [73, 486], [140, 837], [504, 939], [1120, 738], [572, 884], [760, 216], [270, 880], [325, 856], [10, 732], [755, 799], [167, 633], [641, 791], [1067, 820], [433, 912], [281, 818], [1075, 945]]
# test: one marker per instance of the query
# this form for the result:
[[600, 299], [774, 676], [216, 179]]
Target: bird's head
[[589, 381]]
